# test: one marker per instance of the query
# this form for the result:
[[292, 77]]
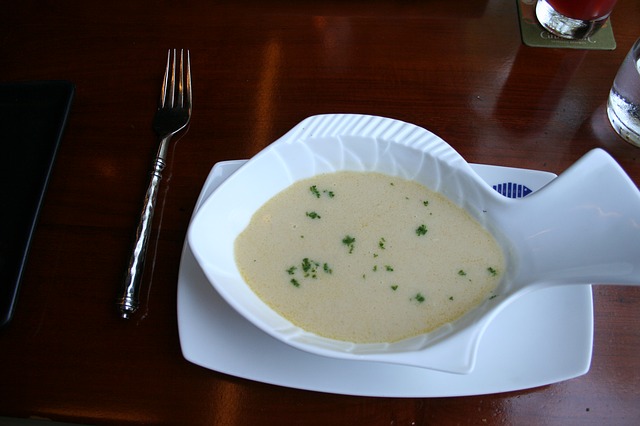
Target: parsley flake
[[349, 242], [310, 268], [314, 191], [421, 230], [419, 298]]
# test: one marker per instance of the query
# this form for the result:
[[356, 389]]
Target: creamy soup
[[365, 257]]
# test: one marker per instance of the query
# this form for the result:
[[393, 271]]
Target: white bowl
[[582, 228]]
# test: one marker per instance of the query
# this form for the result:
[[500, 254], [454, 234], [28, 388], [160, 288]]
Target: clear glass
[[623, 107], [574, 19]]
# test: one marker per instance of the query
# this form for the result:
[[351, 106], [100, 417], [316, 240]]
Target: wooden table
[[456, 68]]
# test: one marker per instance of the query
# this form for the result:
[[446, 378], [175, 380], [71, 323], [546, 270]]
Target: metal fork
[[173, 115]]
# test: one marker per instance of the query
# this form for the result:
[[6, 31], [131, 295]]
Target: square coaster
[[534, 35]]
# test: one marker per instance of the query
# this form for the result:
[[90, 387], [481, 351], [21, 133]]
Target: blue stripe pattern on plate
[[512, 189]]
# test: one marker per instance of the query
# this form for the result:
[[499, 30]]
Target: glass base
[[624, 118], [565, 27]]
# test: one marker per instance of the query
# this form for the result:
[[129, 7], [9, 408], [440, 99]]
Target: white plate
[[541, 338]]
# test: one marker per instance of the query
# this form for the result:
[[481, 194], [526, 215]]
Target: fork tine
[[188, 101], [172, 86], [181, 81], [165, 81]]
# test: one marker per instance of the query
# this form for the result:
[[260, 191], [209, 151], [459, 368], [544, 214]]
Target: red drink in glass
[[586, 10], [573, 19]]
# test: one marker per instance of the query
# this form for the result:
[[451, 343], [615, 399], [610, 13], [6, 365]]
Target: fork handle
[[128, 302]]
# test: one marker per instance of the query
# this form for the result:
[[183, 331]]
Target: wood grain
[[456, 68]]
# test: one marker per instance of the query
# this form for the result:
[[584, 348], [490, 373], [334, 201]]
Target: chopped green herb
[[462, 273], [450, 297], [314, 191], [418, 298], [381, 243], [375, 268], [313, 215], [306, 264], [349, 242], [492, 271], [493, 296], [425, 203], [310, 268], [421, 230], [394, 287], [388, 268], [375, 255]]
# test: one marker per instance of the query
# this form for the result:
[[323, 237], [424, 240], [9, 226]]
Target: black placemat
[[32, 119]]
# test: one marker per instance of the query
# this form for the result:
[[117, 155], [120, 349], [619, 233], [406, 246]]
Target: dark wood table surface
[[457, 68]]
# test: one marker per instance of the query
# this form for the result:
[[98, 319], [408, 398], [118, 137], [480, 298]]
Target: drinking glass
[[574, 19], [623, 106]]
